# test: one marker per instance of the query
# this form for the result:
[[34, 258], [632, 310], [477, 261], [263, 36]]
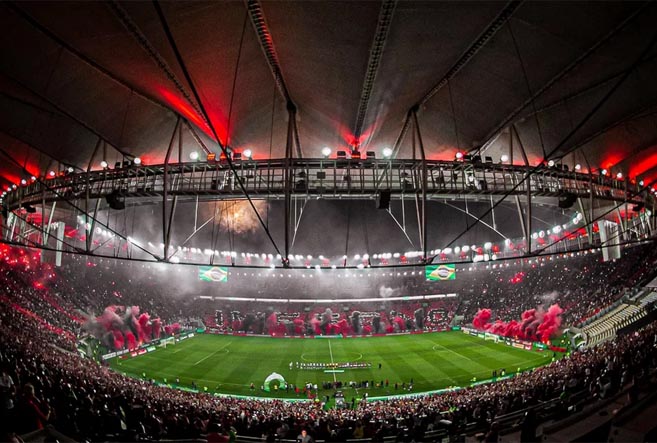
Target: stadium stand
[[53, 385]]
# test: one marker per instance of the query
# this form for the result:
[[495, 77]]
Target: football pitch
[[229, 364]]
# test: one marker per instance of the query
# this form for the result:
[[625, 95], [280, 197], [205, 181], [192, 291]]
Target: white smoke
[[549, 297], [386, 292]]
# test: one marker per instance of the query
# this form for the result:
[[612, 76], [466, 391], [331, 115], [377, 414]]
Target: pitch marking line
[[210, 355], [331, 352], [463, 357]]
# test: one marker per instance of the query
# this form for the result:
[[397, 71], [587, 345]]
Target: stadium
[[328, 221]]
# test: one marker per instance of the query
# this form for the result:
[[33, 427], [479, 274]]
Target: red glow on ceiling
[[610, 160], [644, 162], [187, 111]]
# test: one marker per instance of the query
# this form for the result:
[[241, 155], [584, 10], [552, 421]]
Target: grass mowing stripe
[[252, 359]]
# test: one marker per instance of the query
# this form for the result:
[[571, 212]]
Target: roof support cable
[[483, 38], [532, 99], [564, 72], [231, 165], [577, 127]]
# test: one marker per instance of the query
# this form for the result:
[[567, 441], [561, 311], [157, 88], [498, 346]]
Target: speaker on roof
[[383, 199], [567, 200], [115, 200]]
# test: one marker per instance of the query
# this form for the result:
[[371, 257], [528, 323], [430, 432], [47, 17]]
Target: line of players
[[321, 366]]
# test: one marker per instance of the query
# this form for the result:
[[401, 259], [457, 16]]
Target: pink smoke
[[144, 327], [551, 322], [481, 319], [156, 327], [272, 323], [131, 340], [298, 325], [316, 325], [534, 324], [119, 341]]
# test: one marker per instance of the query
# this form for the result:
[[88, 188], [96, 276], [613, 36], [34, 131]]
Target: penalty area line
[[210, 355]]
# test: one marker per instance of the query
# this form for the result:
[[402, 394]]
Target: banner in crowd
[[440, 272], [213, 273]]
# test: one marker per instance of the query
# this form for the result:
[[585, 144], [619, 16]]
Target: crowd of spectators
[[86, 400], [45, 381]]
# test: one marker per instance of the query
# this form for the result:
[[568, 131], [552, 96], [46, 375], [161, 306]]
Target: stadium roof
[[576, 79]]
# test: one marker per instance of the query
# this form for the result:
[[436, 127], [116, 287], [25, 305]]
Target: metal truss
[[325, 178]]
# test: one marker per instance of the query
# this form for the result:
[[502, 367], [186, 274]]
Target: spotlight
[[247, 153], [70, 169], [387, 152], [619, 175], [504, 158], [459, 155], [578, 167], [604, 172], [13, 186], [51, 174], [23, 181], [103, 164], [640, 182], [193, 155], [137, 161], [551, 163], [326, 151], [33, 178]]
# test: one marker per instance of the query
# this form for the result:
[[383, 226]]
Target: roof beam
[[91, 62], [259, 22], [507, 120], [376, 53], [159, 60], [64, 112], [463, 60]]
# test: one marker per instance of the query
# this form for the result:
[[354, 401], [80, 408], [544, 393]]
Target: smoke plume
[[534, 324]]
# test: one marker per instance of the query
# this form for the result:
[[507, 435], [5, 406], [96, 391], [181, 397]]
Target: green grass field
[[229, 364]]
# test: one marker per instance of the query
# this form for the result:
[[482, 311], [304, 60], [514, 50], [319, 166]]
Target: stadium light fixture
[[104, 164], [193, 155], [51, 174], [504, 158], [137, 161], [23, 181], [459, 155], [578, 167], [247, 153], [640, 182], [619, 175], [551, 163], [326, 151], [387, 152], [604, 172]]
